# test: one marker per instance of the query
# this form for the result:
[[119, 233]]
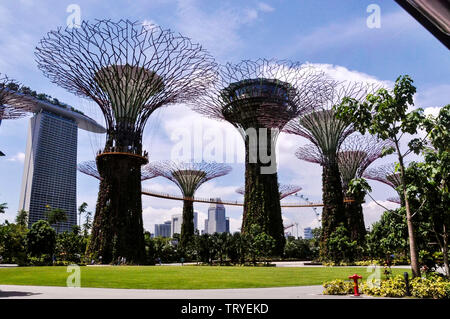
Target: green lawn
[[181, 277]]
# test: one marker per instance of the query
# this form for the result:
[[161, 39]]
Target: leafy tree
[[3, 208], [87, 226], [385, 114], [428, 182], [237, 248], [81, 211], [340, 246], [70, 246], [388, 236], [298, 249], [41, 239], [22, 218], [12, 244], [56, 216]]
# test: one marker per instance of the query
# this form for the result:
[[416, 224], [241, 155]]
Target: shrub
[[434, 287], [367, 262], [337, 287], [41, 239], [392, 287]]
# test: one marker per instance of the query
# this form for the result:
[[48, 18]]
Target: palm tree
[[56, 216], [3, 208], [81, 211]]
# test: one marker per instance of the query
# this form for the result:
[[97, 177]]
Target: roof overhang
[[434, 15]]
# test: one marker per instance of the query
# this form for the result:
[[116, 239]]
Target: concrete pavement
[[44, 292]]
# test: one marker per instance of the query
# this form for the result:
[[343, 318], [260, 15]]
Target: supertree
[[13, 105], [327, 133], [285, 190], [188, 176], [386, 174], [356, 154], [129, 70], [258, 98], [90, 168]]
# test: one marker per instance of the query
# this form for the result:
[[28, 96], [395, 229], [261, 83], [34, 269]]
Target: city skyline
[[245, 37]]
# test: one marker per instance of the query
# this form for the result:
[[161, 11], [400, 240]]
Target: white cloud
[[353, 33], [264, 7], [433, 98], [218, 31], [372, 211], [19, 157]]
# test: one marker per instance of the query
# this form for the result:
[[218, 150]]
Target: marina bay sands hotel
[[50, 169]]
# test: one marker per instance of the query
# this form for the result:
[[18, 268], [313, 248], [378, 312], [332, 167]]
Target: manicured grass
[[181, 277]]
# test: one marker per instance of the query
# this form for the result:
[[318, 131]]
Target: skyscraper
[[50, 168], [163, 230], [216, 222], [307, 233], [177, 220]]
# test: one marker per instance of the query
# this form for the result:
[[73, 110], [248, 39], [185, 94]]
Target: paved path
[[43, 292]]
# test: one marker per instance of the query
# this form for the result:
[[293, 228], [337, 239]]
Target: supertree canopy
[[90, 168], [129, 70], [285, 190], [12, 104], [188, 176], [327, 133], [395, 200], [259, 98], [386, 174]]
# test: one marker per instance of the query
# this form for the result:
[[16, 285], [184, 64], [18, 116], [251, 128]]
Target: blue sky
[[332, 34]]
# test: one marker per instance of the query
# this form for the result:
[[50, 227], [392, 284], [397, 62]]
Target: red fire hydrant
[[355, 278]]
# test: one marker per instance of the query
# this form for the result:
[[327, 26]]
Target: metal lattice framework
[[321, 127], [12, 104], [395, 200], [262, 93], [385, 174], [285, 190], [128, 69], [357, 153], [90, 168], [188, 176]]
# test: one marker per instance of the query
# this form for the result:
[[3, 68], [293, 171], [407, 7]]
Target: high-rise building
[[177, 220], [307, 233], [163, 230], [216, 222], [50, 168]]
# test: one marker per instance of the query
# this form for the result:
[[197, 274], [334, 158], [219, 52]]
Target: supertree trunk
[[355, 221], [262, 201], [187, 226], [333, 212], [118, 227]]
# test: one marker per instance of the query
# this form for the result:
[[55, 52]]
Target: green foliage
[[340, 247], [358, 188], [3, 208], [22, 218], [12, 244], [70, 247], [392, 287], [55, 216], [41, 239], [300, 249], [389, 235], [337, 287], [434, 287]]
